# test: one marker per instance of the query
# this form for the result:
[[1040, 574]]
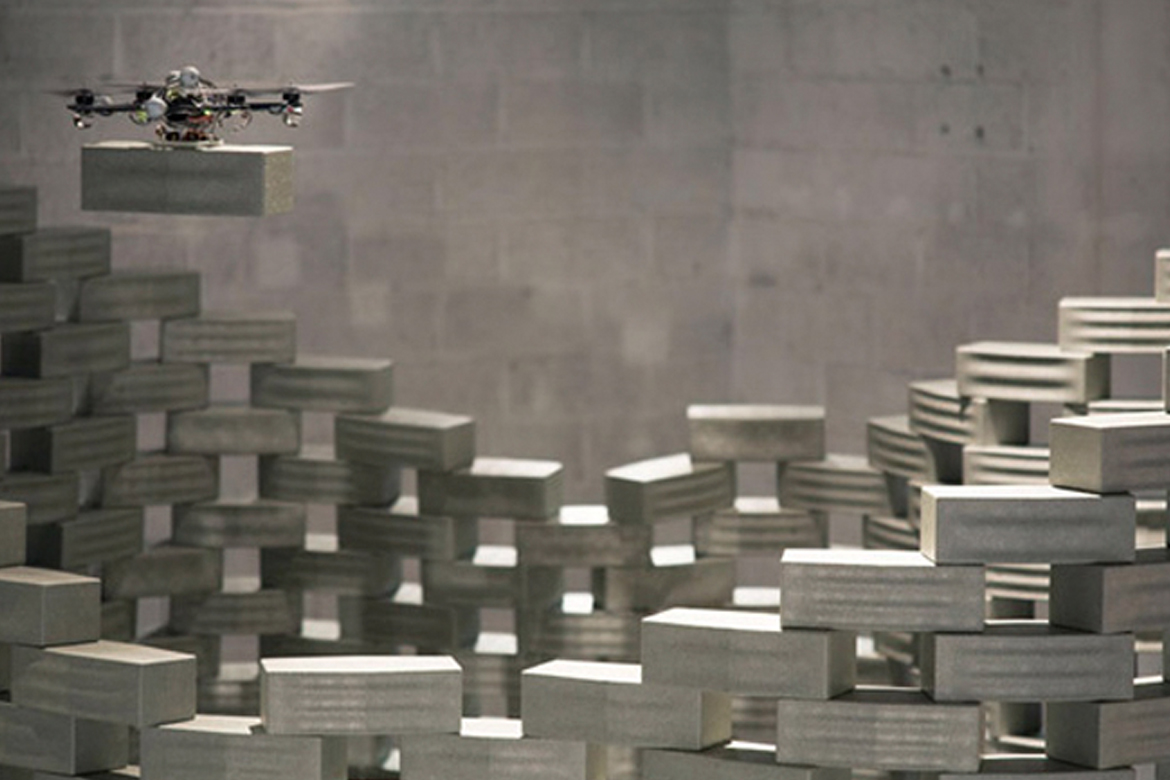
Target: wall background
[[570, 218]]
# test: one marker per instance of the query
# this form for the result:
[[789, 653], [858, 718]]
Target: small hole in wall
[[944, 129], [979, 133], [946, 71]]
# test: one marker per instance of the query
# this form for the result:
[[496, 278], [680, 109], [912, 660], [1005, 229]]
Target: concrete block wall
[[569, 218]]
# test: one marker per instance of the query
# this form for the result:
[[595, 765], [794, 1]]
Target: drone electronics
[[187, 109]]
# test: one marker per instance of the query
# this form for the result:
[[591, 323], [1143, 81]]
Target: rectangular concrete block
[[361, 695], [315, 476], [47, 497], [233, 429], [756, 432], [496, 749], [401, 530], [164, 570], [95, 536], [230, 337], [757, 526], [411, 437], [18, 209], [107, 681], [1027, 661], [939, 412], [518, 488], [81, 444], [608, 703], [745, 653], [705, 582], [66, 350], [1025, 524], [150, 294], [54, 253], [32, 403], [734, 761], [999, 464], [396, 623], [51, 742], [872, 727], [839, 483], [1036, 373], [224, 747], [120, 620], [668, 487], [13, 530], [351, 572], [27, 306], [149, 386], [153, 479], [1029, 767], [614, 636], [893, 590], [259, 612], [893, 447], [491, 578], [1162, 275], [1114, 325], [43, 607], [223, 524], [1110, 453], [325, 384], [1105, 734], [582, 535], [226, 179], [1112, 598]]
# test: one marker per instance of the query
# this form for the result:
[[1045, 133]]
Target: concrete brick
[[43, 607], [706, 582], [1110, 453], [18, 209], [387, 623], [54, 253], [139, 295], [82, 444], [67, 349], [666, 487], [13, 521], [224, 429], [1111, 734], [611, 636], [48, 497], [938, 411], [837, 483], [31, 403], [51, 742], [348, 572], [400, 529], [409, 437], [1114, 325], [582, 536], [326, 384], [1005, 465], [94, 536], [259, 612], [230, 337], [227, 524], [164, 570], [758, 526], [1030, 372], [1111, 598], [494, 487], [27, 306], [894, 448], [149, 386], [227, 180], [756, 432], [157, 478], [736, 759], [491, 578], [315, 476]]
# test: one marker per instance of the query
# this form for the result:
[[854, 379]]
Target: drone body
[[187, 109]]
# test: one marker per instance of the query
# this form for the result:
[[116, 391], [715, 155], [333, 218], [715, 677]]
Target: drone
[[187, 109]]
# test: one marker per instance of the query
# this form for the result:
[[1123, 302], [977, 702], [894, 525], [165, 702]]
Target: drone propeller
[[304, 89]]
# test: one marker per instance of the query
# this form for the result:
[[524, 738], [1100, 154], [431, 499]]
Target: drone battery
[[224, 179]]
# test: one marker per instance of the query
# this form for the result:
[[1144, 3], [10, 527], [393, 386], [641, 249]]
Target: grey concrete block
[[224, 747], [495, 749], [18, 209], [582, 535], [1025, 524], [67, 350], [401, 530], [229, 696], [491, 578], [205, 649], [47, 497], [230, 429], [1018, 371], [1126, 405], [257, 612], [839, 483], [411, 437], [42, 607], [31, 403], [667, 487], [878, 590], [149, 294], [51, 742], [228, 179], [13, 529], [149, 386], [879, 532], [893, 447], [120, 620], [95, 536], [230, 337], [519, 488], [259, 523], [756, 432], [325, 384], [54, 253], [107, 681], [1005, 465], [393, 623], [705, 582], [745, 653], [1112, 598], [158, 478], [165, 570], [361, 695], [314, 476], [1111, 733], [81, 444], [1114, 325], [1110, 453], [940, 412], [733, 761], [609, 703], [27, 306], [1028, 767], [1018, 581], [1027, 661], [351, 572], [872, 728], [612, 636], [758, 525]]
